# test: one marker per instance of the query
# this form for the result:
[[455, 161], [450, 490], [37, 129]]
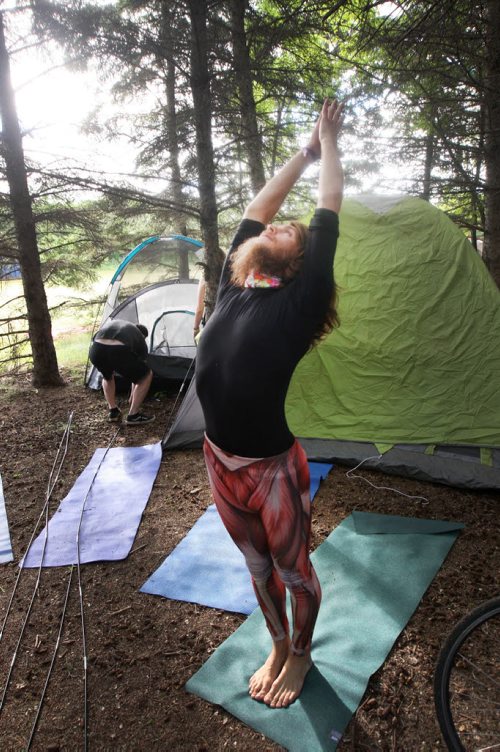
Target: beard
[[253, 255]]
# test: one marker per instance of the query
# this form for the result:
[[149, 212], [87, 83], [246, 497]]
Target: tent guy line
[[350, 474]]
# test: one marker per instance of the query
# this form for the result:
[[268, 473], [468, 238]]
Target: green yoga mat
[[373, 569]]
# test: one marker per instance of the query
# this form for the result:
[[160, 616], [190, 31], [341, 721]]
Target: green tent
[[412, 376], [410, 382]]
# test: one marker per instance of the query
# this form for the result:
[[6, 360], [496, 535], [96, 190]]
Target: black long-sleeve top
[[253, 342]]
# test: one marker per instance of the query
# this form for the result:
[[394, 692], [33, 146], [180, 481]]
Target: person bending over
[[275, 300], [120, 347]]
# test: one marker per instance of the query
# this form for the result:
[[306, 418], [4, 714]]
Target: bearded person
[[276, 299]]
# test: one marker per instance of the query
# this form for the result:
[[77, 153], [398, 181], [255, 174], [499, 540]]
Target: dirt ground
[[142, 649]]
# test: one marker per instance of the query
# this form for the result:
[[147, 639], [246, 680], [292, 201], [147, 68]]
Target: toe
[[274, 699], [283, 701], [256, 689]]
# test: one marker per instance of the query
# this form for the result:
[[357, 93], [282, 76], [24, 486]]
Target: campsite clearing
[[142, 649]]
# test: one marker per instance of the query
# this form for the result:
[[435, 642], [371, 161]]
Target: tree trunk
[[428, 165], [45, 369], [475, 199], [491, 248], [202, 101], [168, 26], [276, 137], [244, 82]]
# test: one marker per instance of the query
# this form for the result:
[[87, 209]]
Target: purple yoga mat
[[5, 544], [119, 491]]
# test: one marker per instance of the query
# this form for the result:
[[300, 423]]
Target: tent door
[[172, 334]]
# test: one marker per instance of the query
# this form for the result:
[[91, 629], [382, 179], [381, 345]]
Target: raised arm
[[331, 174], [269, 199], [323, 142]]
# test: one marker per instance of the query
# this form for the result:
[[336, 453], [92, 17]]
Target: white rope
[[350, 475]]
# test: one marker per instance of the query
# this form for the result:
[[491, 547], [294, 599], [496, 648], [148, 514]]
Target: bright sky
[[53, 102], [51, 108]]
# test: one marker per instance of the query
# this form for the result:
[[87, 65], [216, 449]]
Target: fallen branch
[[120, 611]]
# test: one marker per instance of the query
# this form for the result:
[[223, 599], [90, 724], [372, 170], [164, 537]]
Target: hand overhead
[[331, 120], [322, 143]]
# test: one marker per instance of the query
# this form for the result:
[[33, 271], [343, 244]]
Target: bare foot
[[260, 683], [287, 686]]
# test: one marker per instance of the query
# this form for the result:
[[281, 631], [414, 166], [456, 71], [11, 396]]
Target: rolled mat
[[207, 568], [373, 569]]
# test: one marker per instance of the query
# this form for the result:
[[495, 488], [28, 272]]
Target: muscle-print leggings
[[265, 505]]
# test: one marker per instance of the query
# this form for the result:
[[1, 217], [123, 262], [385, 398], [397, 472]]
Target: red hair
[[253, 255]]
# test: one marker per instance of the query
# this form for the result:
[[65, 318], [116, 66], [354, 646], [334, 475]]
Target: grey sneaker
[[114, 415], [138, 419]]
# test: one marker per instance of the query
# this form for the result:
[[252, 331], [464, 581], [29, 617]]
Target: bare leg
[[288, 684], [109, 389], [139, 392], [262, 680]]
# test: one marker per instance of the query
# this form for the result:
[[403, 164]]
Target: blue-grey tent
[[156, 284]]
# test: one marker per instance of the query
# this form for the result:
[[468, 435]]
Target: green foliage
[[412, 75], [429, 59]]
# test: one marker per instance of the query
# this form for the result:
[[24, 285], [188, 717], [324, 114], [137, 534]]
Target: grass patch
[[72, 349], [73, 318]]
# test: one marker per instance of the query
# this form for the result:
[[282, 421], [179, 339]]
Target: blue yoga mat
[[317, 472], [5, 544], [119, 491], [207, 568], [373, 569]]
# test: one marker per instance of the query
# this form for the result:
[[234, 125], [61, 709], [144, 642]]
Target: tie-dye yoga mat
[[5, 544], [207, 568], [373, 569], [120, 482]]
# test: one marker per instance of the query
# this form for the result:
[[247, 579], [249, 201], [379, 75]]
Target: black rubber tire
[[451, 647]]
